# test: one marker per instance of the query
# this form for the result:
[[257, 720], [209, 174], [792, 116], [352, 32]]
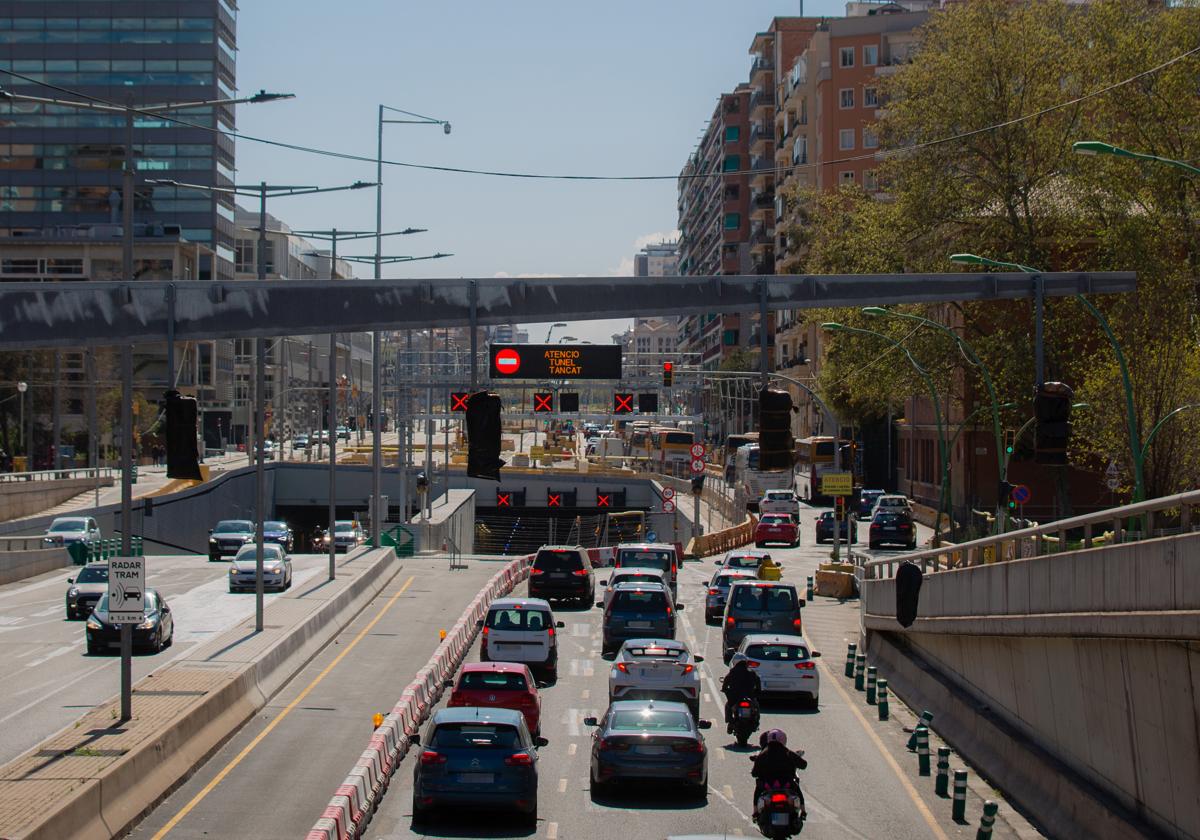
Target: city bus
[[729, 452], [752, 482], [671, 446], [814, 456]]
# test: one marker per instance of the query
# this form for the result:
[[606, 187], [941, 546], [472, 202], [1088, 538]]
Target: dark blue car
[[476, 757], [279, 533]]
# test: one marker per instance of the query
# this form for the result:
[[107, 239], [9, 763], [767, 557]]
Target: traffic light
[[1052, 412], [182, 459], [458, 400], [622, 403], [668, 374], [1010, 442], [1004, 495], [648, 403], [698, 484], [543, 403], [775, 444], [568, 403], [483, 436], [839, 507]]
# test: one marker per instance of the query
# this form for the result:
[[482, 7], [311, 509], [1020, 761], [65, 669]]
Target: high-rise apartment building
[[661, 260], [62, 166]]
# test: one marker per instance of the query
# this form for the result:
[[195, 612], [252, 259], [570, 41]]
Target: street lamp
[[553, 327], [22, 387], [1096, 147]]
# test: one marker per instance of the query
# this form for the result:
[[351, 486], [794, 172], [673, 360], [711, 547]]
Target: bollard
[[987, 820], [882, 705], [809, 593], [922, 734], [958, 810], [926, 720], [850, 660], [860, 668], [871, 677], [942, 786]]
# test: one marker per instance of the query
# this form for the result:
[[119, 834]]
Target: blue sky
[[618, 87]]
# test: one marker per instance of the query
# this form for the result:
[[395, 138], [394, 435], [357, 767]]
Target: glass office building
[[60, 167]]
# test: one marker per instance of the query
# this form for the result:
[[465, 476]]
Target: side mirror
[[704, 724], [539, 741], [414, 740], [559, 624], [70, 580], [210, 530], [479, 624], [590, 721], [815, 654], [715, 562], [697, 659], [802, 602]]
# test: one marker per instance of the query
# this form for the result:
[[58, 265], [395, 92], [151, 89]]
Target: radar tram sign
[[555, 361], [127, 590]]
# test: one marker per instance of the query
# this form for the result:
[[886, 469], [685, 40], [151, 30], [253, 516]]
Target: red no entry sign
[[508, 361], [697, 450]]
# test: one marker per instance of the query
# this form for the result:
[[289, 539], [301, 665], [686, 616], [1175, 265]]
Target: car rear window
[[638, 601], [891, 518], [518, 619], [558, 561], [777, 653], [647, 721], [745, 561], [475, 736], [776, 519], [660, 560], [671, 654], [493, 681], [632, 576], [680, 437], [92, 575], [764, 598]]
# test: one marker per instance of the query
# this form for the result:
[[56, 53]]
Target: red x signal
[[604, 500], [503, 499], [458, 400], [554, 500], [543, 402], [622, 403]]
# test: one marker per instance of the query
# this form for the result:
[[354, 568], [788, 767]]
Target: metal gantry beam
[[34, 315]]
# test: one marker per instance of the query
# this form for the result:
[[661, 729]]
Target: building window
[[870, 55], [733, 133], [870, 141], [871, 180], [733, 221], [846, 177], [870, 98], [846, 55], [732, 163], [732, 192], [846, 98], [803, 117], [800, 149], [244, 251], [846, 139]]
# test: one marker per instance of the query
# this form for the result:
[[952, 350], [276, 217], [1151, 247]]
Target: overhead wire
[[572, 177]]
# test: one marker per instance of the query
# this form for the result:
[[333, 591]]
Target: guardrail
[[61, 475], [719, 541], [23, 543], [1129, 523]]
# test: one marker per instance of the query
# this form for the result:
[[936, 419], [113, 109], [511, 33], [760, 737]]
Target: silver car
[[277, 569], [656, 669], [65, 530], [347, 535], [629, 575], [86, 589], [717, 592]]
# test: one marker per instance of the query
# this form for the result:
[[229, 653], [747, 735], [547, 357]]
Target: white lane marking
[[562, 785], [727, 790], [58, 651], [551, 831], [574, 723], [572, 749], [54, 610], [585, 694], [725, 794]]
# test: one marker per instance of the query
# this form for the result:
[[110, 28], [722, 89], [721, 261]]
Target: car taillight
[[608, 744], [712, 591], [550, 632], [796, 624], [729, 622], [874, 527], [674, 569], [622, 667], [519, 760], [485, 632], [687, 669], [778, 798], [744, 704], [429, 757], [750, 663], [688, 747], [536, 571], [668, 612], [904, 526], [580, 573], [805, 666]]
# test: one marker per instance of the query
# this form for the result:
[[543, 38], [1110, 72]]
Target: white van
[[521, 630]]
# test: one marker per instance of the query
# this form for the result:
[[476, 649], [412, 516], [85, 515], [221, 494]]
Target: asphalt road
[[49, 679], [861, 782]]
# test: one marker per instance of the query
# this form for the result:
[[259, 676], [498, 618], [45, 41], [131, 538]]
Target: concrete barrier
[[721, 541], [25, 498], [18, 565]]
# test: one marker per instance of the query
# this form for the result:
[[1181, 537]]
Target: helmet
[[777, 736]]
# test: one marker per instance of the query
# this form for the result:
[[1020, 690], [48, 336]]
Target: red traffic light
[[668, 366]]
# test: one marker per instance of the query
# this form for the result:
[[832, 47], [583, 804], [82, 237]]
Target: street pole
[[332, 415], [89, 356], [429, 427], [55, 414], [126, 413], [258, 420]]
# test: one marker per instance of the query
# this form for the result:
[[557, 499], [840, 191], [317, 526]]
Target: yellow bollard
[[441, 635], [377, 719]]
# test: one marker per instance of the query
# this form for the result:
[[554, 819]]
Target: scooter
[[779, 813], [745, 720]]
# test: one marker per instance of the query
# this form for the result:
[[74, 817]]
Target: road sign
[[556, 361], [697, 465], [543, 402], [837, 484], [1112, 476], [506, 362], [697, 450], [668, 493], [458, 400], [668, 506], [126, 590], [622, 403], [651, 536], [1021, 494]]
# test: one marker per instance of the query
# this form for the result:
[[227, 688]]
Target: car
[[499, 685], [347, 534], [343, 433], [780, 501], [656, 669], [86, 589], [638, 610], [718, 591], [648, 740], [867, 500], [521, 630], [783, 663], [776, 528], [659, 556], [634, 574], [748, 559], [892, 502], [472, 757], [562, 572], [268, 450], [759, 606], [228, 537], [892, 528], [279, 533], [299, 442], [65, 530], [826, 524], [277, 569], [155, 632]]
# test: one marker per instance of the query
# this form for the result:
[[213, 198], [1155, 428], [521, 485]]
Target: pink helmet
[[775, 736]]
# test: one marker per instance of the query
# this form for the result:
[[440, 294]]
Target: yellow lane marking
[[908, 787], [228, 768]]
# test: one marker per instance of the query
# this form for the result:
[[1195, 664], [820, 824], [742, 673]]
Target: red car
[[501, 685], [777, 528]]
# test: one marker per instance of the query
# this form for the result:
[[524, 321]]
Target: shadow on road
[[649, 796], [460, 823]]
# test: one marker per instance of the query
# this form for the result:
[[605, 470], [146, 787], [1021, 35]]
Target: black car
[[228, 537], [156, 631], [893, 528], [826, 524], [867, 500], [562, 572]]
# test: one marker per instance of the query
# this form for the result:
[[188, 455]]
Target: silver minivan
[[638, 611], [759, 606], [521, 630], [660, 556]]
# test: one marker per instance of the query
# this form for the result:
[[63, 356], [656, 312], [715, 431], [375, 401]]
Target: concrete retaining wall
[[26, 498], [453, 516], [18, 565]]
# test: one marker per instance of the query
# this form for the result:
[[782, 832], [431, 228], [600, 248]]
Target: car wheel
[[530, 819], [158, 642], [912, 546], [92, 650], [702, 791], [419, 814], [814, 702], [795, 543], [213, 557]]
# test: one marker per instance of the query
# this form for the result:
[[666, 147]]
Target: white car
[[65, 530], [743, 558], [780, 501], [784, 664], [892, 503], [347, 535], [631, 574], [656, 669], [521, 630], [277, 569]]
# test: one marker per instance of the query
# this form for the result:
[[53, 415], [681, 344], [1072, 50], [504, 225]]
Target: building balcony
[[762, 99], [763, 199]]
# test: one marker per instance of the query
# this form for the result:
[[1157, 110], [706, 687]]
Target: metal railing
[[1161, 517], [60, 475], [24, 543]]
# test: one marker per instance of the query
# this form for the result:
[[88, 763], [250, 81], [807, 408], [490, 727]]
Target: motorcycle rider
[[739, 684], [776, 765]]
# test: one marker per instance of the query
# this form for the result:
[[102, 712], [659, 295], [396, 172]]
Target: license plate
[[476, 778], [559, 575], [775, 686], [653, 750], [744, 623], [640, 625], [779, 819], [745, 712]]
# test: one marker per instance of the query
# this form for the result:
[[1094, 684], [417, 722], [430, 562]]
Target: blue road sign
[[1021, 494]]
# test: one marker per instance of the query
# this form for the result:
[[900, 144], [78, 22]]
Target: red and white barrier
[[355, 800]]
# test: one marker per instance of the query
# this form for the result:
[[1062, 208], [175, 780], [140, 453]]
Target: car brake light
[[712, 591], [729, 621], [687, 669], [674, 569], [485, 632], [607, 744], [778, 798], [904, 526], [550, 632], [688, 746], [750, 663], [580, 573], [622, 667], [668, 612], [519, 760], [744, 704], [806, 666], [796, 624], [536, 571], [874, 527], [430, 757]]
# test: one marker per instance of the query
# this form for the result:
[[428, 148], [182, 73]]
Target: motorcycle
[[779, 813], [745, 720]]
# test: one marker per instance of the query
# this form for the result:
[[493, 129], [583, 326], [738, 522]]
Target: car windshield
[[517, 618], [343, 527], [493, 681], [777, 653], [764, 598], [249, 553], [647, 559], [639, 600], [67, 525], [651, 720], [474, 736], [558, 560], [233, 526], [92, 574], [274, 526]]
